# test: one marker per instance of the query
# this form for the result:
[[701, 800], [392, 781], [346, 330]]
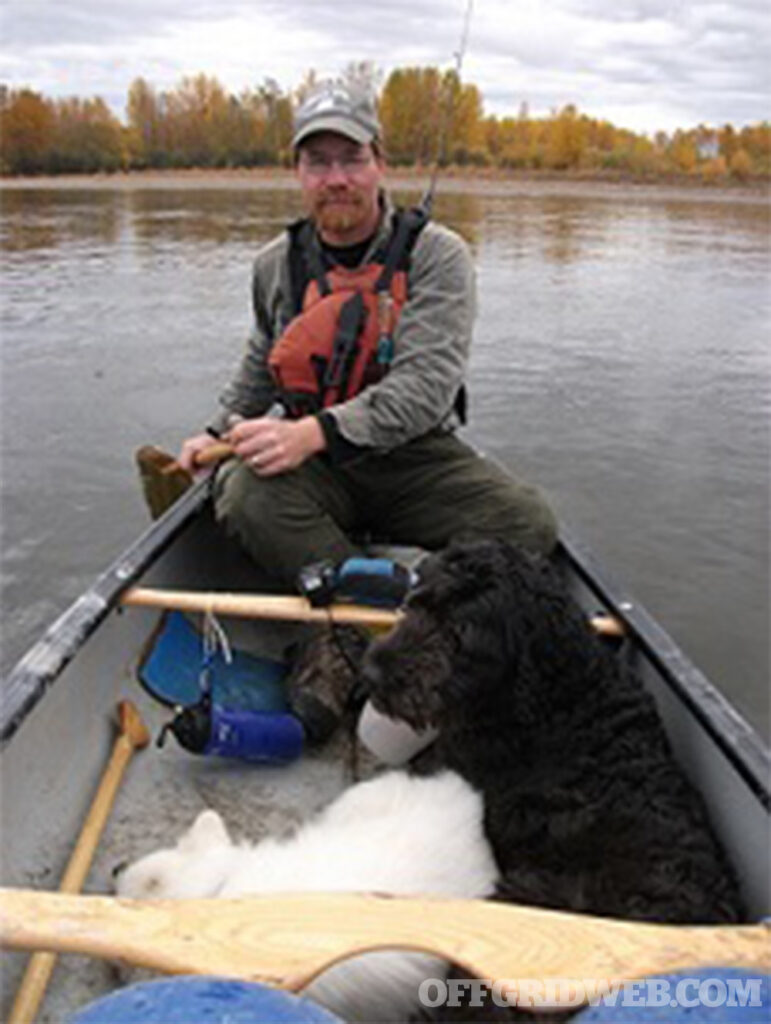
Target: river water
[[622, 361]]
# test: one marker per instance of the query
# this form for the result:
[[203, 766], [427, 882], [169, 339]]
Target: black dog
[[586, 808]]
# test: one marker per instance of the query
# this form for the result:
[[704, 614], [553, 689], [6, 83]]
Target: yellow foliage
[[741, 165], [566, 140], [26, 132], [683, 152], [411, 115], [715, 169]]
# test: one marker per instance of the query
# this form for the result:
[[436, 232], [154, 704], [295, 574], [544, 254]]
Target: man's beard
[[339, 211]]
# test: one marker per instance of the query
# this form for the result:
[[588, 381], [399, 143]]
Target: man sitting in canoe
[[343, 411], [368, 374]]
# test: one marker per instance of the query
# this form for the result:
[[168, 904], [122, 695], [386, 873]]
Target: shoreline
[[452, 180]]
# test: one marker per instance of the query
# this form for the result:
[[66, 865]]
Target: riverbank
[[454, 180]]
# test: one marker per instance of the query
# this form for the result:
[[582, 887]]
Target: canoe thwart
[[288, 608], [256, 606]]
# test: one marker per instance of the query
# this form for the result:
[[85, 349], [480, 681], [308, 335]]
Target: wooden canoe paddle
[[132, 735], [291, 608], [286, 940], [164, 480]]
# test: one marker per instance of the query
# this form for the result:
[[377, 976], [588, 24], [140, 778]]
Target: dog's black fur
[[586, 808]]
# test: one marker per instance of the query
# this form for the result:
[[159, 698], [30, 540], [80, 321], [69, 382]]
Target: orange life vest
[[341, 338]]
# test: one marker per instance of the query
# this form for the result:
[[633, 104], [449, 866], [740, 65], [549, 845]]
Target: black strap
[[407, 226], [305, 263], [349, 325]]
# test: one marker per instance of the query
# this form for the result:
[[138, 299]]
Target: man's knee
[[503, 505], [541, 531], [522, 515], [282, 521]]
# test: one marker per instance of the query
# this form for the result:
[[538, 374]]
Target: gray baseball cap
[[337, 108]]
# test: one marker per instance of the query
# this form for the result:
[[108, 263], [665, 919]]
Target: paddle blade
[[163, 479]]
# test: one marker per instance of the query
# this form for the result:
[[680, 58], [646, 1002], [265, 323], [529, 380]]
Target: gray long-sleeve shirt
[[431, 343]]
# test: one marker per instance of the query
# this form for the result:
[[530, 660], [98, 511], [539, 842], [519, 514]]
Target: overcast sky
[[642, 64]]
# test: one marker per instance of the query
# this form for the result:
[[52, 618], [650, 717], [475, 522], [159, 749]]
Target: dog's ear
[[207, 831], [548, 636], [501, 627]]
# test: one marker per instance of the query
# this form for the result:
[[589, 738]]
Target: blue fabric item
[[201, 1000], [269, 737], [171, 672], [707, 995]]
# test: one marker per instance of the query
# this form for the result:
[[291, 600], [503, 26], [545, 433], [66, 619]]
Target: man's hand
[[190, 449], [273, 446]]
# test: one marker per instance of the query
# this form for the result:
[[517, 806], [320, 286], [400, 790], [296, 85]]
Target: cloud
[[30, 23], [643, 64]]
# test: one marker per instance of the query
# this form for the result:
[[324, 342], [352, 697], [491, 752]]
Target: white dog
[[395, 833]]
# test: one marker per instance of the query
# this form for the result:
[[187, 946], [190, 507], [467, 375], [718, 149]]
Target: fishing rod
[[441, 139]]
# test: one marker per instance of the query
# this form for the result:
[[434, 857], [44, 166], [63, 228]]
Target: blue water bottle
[[269, 737]]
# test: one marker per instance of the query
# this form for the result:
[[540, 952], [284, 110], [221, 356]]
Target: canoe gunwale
[[740, 743], [30, 679]]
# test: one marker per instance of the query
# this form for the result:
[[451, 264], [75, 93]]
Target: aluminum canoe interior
[[58, 710]]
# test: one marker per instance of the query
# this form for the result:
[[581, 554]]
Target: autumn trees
[[27, 122], [46, 136], [199, 125], [570, 141], [427, 115], [40, 135]]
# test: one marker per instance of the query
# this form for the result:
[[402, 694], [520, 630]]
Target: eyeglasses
[[319, 164]]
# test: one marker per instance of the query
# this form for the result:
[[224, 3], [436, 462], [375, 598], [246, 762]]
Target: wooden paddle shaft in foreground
[[132, 735], [295, 609], [287, 940]]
